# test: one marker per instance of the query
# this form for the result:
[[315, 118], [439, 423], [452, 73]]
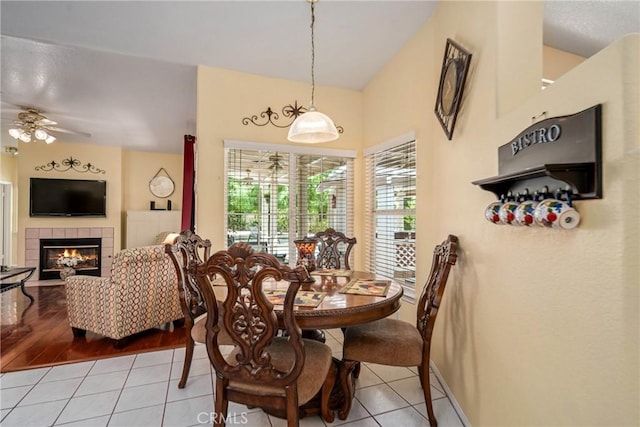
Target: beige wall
[[224, 99], [127, 174], [138, 168], [37, 154], [557, 62], [9, 175], [538, 326]]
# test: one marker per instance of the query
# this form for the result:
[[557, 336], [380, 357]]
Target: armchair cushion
[[141, 293]]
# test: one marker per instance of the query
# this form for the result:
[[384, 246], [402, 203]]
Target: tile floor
[[142, 390]]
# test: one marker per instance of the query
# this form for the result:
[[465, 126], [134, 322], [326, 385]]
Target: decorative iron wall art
[[289, 114], [68, 164]]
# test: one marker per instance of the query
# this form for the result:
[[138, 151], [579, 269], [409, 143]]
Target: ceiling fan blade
[[46, 122], [69, 131]]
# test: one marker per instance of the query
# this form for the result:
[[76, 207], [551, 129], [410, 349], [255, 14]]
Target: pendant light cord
[[313, 52]]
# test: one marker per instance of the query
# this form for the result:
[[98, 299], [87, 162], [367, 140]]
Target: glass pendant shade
[[29, 135], [41, 134], [312, 127]]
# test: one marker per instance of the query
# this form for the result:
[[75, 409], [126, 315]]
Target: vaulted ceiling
[[125, 72]]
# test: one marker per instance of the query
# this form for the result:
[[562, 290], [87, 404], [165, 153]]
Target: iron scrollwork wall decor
[[68, 164], [289, 111]]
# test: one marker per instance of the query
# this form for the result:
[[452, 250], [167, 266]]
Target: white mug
[[525, 213], [556, 213], [507, 212], [492, 212]]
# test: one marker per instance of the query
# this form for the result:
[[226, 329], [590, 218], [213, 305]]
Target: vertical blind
[[390, 203], [276, 197]]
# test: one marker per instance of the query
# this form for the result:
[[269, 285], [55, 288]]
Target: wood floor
[[38, 334]]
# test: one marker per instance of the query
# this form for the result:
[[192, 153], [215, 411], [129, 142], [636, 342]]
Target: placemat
[[303, 298], [376, 288], [332, 272]]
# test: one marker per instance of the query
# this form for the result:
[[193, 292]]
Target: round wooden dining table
[[338, 309]]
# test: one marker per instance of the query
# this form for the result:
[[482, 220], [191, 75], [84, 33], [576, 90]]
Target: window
[[390, 206], [277, 194]]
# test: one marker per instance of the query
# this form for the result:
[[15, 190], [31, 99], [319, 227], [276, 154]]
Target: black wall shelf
[[578, 177], [562, 153]]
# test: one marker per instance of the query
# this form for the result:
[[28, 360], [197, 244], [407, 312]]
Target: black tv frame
[[63, 197]]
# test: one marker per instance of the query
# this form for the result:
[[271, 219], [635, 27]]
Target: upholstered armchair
[[140, 293]]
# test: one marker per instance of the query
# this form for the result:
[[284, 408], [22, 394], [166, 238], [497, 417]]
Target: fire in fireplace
[[83, 255]]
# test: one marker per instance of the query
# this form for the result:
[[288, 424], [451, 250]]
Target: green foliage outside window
[[409, 221]]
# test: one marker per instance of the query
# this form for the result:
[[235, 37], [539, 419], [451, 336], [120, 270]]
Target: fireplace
[[85, 253]]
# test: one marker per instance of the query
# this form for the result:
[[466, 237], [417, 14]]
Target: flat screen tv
[[68, 197]]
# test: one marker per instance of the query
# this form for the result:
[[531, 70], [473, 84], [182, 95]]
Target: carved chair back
[[444, 257], [188, 251], [334, 249], [248, 315]]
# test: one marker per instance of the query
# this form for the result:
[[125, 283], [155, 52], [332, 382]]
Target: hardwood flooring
[[38, 334]]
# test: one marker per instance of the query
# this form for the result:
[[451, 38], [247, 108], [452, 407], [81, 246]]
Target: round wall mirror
[[162, 186]]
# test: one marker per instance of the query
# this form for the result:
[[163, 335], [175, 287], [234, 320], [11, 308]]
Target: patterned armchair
[[141, 293]]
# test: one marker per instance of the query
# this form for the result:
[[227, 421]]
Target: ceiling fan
[[32, 125], [247, 180], [274, 162]]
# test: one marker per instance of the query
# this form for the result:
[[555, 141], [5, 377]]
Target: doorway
[[6, 191]]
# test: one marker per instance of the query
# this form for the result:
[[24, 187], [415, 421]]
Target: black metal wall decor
[[455, 66], [561, 153], [289, 112], [68, 164]]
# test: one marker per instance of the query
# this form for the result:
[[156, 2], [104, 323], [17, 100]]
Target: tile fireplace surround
[[33, 236]]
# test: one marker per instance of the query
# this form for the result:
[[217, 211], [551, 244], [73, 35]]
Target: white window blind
[[275, 197], [390, 203]]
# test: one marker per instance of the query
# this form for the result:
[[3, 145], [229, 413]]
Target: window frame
[[294, 152], [375, 261]]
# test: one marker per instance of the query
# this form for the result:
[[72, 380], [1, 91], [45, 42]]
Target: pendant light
[[312, 127]]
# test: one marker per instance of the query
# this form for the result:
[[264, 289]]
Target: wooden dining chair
[[264, 370], [334, 249], [187, 250], [398, 343]]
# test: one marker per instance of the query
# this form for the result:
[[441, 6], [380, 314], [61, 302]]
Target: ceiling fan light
[[312, 127], [25, 137], [41, 134], [15, 133], [49, 139]]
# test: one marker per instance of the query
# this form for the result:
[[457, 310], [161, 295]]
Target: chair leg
[[327, 389], [346, 383], [188, 357], [423, 371], [78, 333], [293, 417], [356, 370], [222, 404], [122, 342]]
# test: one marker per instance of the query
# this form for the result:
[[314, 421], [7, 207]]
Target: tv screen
[[68, 197]]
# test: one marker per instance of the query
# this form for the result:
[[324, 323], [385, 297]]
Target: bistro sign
[[565, 139], [539, 135]]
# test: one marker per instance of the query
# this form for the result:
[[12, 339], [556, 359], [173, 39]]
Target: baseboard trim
[[449, 393]]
